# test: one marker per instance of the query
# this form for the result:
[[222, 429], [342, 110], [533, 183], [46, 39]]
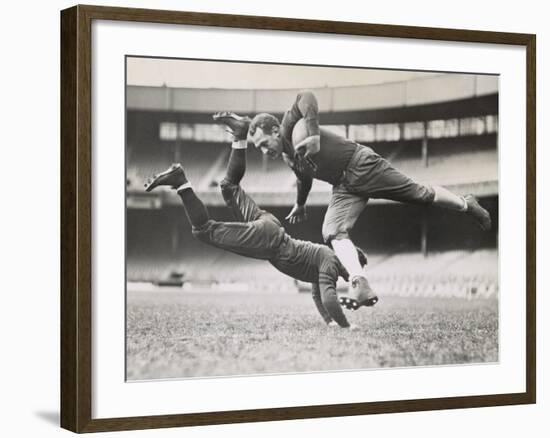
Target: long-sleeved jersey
[[261, 236], [335, 151], [315, 264]]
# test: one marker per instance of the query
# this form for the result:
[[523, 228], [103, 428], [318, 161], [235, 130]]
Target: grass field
[[192, 334]]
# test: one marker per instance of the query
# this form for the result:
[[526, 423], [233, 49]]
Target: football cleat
[[480, 215], [348, 303], [361, 292], [237, 125], [173, 177]]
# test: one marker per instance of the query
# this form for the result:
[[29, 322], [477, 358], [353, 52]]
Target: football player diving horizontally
[[356, 172], [258, 234]]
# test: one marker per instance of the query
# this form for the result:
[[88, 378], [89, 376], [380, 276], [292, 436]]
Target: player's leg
[[404, 189], [175, 178], [343, 210], [236, 125], [342, 213], [243, 206], [263, 233], [252, 239], [446, 199], [375, 177], [466, 204], [236, 166]]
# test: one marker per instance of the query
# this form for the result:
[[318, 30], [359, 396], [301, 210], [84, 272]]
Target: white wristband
[[239, 144]]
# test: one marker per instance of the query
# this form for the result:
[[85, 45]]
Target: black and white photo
[[297, 218]]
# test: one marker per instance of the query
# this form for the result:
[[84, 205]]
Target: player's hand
[[297, 215], [333, 324]]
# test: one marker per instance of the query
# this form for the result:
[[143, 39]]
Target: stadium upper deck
[[440, 129]]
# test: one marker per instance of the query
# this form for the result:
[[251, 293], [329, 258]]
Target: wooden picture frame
[[76, 217]]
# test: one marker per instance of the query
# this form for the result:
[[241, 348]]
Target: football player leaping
[[259, 234], [356, 173]]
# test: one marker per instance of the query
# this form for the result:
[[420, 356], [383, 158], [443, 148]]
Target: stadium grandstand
[[440, 129]]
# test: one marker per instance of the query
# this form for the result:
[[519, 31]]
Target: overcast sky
[[212, 74]]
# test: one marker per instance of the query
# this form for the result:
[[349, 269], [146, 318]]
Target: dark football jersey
[[299, 259], [264, 238], [316, 264], [335, 152]]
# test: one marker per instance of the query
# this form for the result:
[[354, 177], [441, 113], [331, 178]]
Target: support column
[[425, 146], [424, 233], [176, 153], [175, 238]]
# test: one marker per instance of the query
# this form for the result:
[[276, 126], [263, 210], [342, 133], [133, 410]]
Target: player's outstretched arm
[[308, 108], [316, 294], [329, 299], [298, 213], [307, 105]]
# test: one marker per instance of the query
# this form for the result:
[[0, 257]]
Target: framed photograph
[[268, 219]]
